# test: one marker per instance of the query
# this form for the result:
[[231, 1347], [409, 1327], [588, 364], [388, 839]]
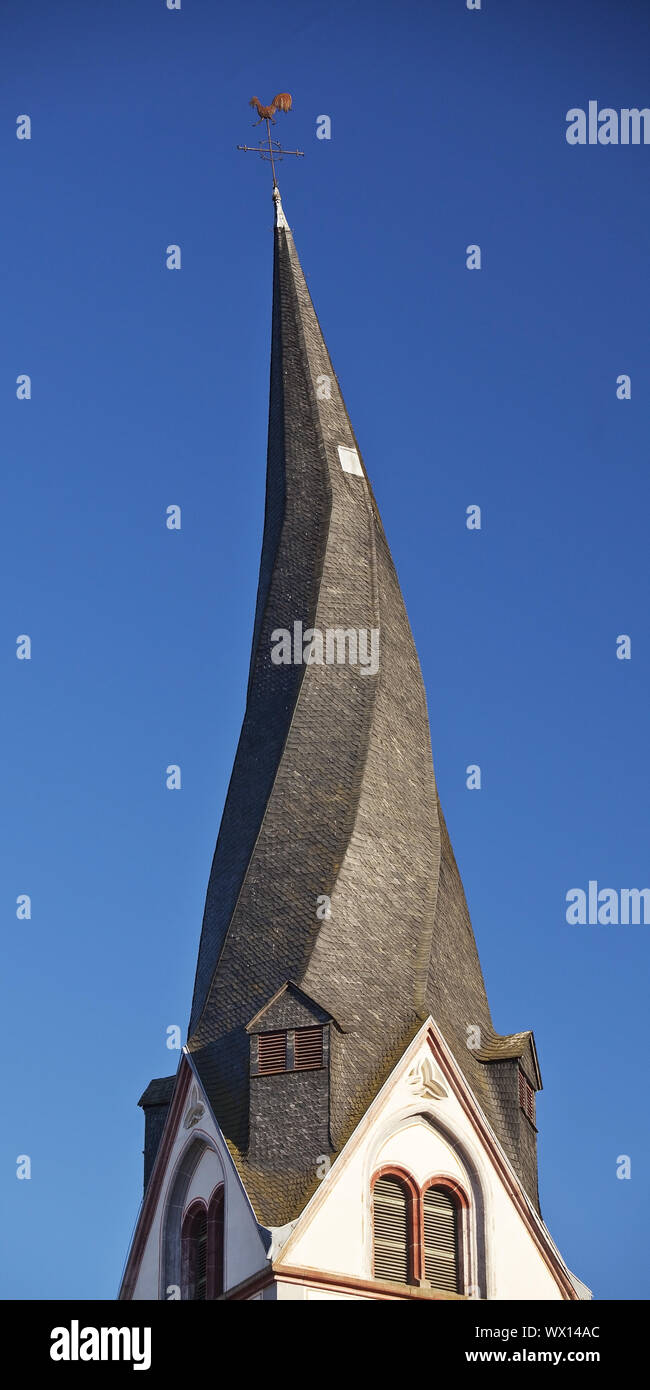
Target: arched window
[[395, 1226], [440, 1244], [215, 1282], [202, 1249], [390, 1225], [195, 1253], [419, 1233]]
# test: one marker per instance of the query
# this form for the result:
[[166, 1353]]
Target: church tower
[[345, 1122]]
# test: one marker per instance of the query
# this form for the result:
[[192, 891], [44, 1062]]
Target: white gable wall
[[244, 1252], [430, 1136], [416, 1123], [208, 1174]]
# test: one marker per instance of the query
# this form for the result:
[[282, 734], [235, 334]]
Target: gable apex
[[290, 1007]]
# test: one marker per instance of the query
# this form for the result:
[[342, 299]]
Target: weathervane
[[272, 150]]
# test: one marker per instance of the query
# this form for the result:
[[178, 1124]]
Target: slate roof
[[333, 792], [498, 1049], [158, 1092]]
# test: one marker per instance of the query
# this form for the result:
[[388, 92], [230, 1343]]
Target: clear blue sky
[[150, 387]]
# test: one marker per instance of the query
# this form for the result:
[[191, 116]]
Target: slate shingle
[[332, 792]]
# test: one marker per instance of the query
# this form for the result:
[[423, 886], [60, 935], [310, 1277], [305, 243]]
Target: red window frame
[[196, 1216], [461, 1204], [215, 1285], [413, 1236], [415, 1214], [212, 1213]]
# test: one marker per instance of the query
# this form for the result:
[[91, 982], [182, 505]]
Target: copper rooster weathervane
[[272, 150]]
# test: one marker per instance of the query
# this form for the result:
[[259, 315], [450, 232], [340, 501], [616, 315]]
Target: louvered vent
[[526, 1096], [440, 1240], [272, 1052], [390, 1225], [308, 1048], [200, 1242]]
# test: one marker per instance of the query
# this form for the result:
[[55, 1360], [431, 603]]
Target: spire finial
[[280, 219], [272, 150]]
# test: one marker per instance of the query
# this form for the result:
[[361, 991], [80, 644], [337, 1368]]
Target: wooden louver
[[440, 1240], [307, 1048], [200, 1258], [526, 1096], [390, 1228], [272, 1052]]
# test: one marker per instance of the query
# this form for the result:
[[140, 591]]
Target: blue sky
[[150, 387]]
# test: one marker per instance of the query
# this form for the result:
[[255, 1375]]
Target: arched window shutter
[[200, 1261], [440, 1239], [215, 1280], [391, 1242], [195, 1255]]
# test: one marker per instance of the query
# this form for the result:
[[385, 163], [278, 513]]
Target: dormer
[[290, 1041]]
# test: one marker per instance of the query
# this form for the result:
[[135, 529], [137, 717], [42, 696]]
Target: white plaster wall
[[430, 1137], [208, 1173], [244, 1253], [423, 1152]]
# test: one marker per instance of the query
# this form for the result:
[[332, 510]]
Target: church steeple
[[334, 901], [340, 1027]]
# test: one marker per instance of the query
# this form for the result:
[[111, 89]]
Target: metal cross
[[272, 150]]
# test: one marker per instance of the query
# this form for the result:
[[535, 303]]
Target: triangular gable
[[331, 1238], [190, 1136], [289, 1007]]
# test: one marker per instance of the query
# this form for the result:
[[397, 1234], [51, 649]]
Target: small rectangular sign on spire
[[350, 461]]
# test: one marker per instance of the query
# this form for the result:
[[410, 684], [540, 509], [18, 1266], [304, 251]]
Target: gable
[[289, 1007], [426, 1124], [192, 1162]]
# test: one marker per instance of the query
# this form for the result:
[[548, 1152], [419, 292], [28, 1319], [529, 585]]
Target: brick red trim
[[376, 1288], [462, 1204], [190, 1212], [154, 1186], [395, 1171], [547, 1252], [251, 1286], [215, 1242], [454, 1187], [188, 1253]]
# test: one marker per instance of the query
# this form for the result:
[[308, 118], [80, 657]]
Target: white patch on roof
[[280, 219], [350, 462]]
